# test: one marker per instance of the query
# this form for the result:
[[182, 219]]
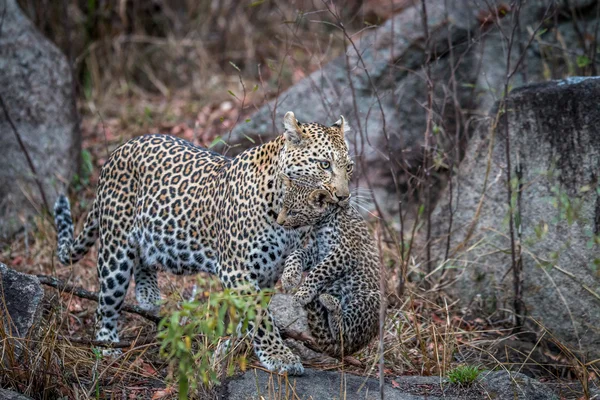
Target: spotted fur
[[341, 291], [163, 203]]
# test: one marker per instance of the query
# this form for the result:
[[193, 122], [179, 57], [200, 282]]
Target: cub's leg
[[292, 272], [334, 314], [300, 260], [352, 326], [114, 272], [318, 323], [323, 274]]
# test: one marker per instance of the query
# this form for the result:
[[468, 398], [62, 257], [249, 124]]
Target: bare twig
[[84, 294], [309, 343], [25, 152], [115, 345], [382, 309]]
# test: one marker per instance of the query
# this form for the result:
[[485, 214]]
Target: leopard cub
[[341, 291]]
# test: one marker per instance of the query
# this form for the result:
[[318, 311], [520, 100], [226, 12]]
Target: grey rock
[[554, 135], [20, 302], [504, 385], [37, 91], [288, 314], [10, 395], [337, 385], [312, 385]]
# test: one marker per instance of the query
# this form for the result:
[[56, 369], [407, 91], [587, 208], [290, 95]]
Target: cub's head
[[317, 153], [303, 205]]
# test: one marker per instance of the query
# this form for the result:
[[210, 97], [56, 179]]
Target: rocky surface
[[554, 137], [10, 395], [21, 297], [37, 93], [383, 93], [257, 384]]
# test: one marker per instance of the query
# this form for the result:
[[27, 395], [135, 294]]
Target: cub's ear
[[342, 125], [292, 131], [320, 198]]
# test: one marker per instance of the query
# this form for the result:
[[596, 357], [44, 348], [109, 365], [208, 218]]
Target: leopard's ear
[[292, 130], [342, 125], [282, 216]]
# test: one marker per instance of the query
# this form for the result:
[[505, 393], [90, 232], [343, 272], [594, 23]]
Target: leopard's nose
[[342, 199]]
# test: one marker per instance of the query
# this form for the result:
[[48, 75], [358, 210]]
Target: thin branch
[[25, 152], [309, 343], [115, 345], [84, 294]]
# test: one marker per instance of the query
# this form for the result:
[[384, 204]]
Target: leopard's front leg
[[266, 339]]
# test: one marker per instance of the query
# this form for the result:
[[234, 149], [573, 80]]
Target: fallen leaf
[[159, 394], [149, 369]]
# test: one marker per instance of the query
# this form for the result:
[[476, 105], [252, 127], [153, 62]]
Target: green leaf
[[235, 66], [231, 93], [249, 138], [215, 141], [583, 61]]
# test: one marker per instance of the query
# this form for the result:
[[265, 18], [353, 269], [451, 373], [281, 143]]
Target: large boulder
[[553, 130], [37, 94], [383, 93], [20, 305]]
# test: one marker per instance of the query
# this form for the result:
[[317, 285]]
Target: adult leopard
[[163, 203]]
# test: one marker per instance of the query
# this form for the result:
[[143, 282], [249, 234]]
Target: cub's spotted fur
[[163, 203], [341, 291]]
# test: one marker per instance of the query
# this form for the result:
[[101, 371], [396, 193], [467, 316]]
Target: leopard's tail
[[69, 250]]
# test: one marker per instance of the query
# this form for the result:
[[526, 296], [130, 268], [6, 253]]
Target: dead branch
[[84, 294], [309, 343], [115, 345]]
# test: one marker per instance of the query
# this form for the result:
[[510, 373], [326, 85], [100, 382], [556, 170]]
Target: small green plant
[[464, 375], [190, 336]]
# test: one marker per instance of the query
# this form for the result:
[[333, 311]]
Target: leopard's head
[[303, 205], [317, 153]]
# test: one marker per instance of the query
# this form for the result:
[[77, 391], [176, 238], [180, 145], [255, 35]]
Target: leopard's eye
[[350, 168], [325, 164]]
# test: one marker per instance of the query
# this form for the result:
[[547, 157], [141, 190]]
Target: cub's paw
[[330, 302], [304, 296], [290, 279]]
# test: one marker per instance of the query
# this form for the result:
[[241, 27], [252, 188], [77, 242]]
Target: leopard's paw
[[282, 361]]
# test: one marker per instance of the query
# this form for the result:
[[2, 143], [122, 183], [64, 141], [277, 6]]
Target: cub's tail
[[70, 251]]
